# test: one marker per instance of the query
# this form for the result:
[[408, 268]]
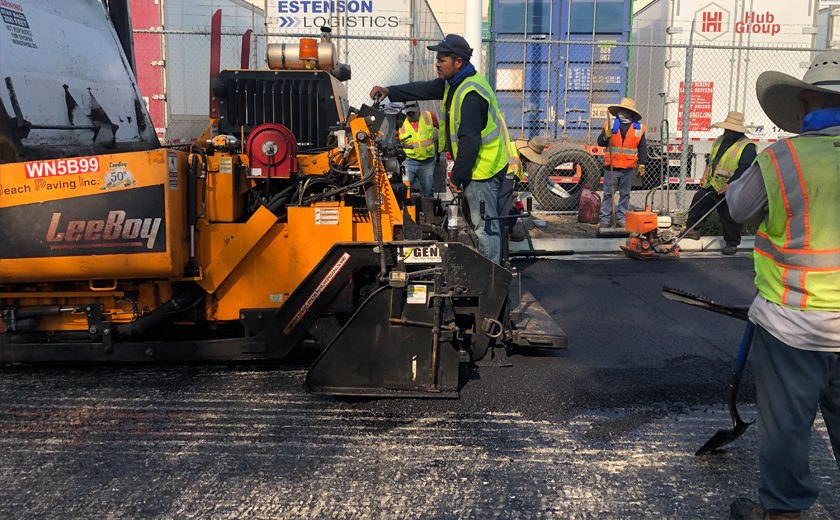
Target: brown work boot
[[746, 509], [693, 235]]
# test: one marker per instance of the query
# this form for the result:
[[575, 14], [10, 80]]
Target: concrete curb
[[611, 245]]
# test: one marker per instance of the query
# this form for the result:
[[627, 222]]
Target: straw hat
[[627, 104], [532, 149], [734, 121], [777, 93]]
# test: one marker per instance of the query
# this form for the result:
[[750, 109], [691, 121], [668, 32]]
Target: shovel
[[724, 437]]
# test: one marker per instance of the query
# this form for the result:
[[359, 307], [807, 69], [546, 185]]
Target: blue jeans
[[424, 172], [488, 231], [791, 385], [623, 180]]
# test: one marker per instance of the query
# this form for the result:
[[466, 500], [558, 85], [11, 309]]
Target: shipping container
[[173, 70], [828, 27], [561, 90], [723, 79]]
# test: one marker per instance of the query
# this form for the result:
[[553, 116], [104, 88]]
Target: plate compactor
[[285, 224], [653, 237]]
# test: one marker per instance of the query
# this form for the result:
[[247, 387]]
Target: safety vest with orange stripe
[[726, 167], [624, 153], [420, 143], [514, 162], [797, 247]]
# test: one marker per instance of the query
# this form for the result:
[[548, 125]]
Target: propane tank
[[590, 206]]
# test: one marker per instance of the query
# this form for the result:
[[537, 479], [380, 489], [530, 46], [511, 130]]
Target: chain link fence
[[562, 89], [557, 89]]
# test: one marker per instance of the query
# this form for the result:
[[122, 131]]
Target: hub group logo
[[711, 22]]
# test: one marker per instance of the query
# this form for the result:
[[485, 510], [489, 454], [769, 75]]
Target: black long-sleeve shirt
[[643, 151], [747, 156], [474, 113]]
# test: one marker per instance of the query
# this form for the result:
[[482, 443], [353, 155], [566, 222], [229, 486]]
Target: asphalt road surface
[[606, 429]]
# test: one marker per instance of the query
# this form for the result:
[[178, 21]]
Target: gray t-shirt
[[806, 330]]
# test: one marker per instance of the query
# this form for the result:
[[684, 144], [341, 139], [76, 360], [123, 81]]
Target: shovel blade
[[723, 437]]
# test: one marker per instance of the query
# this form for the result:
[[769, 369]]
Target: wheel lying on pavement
[[539, 177]]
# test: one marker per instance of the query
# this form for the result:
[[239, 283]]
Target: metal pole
[[548, 71], [472, 30], [747, 64], [524, 61], [732, 59], [591, 74], [566, 78], [686, 124]]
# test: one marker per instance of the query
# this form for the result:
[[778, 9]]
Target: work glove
[[640, 170], [608, 133]]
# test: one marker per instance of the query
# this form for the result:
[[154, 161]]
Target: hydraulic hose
[[180, 302]]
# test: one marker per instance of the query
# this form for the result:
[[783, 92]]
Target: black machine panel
[[302, 101]]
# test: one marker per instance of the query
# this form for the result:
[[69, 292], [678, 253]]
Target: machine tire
[[591, 170]]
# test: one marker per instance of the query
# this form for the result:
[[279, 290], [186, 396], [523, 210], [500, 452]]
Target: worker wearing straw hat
[[793, 191], [626, 153], [732, 153]]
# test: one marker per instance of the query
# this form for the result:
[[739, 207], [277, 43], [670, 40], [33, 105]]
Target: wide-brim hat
[[626, 104], [532, 149], [778, 93], [734, 121]]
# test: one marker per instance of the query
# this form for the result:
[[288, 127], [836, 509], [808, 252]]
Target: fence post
[[686, 115]]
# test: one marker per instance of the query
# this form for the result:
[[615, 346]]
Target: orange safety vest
[[624, 153]]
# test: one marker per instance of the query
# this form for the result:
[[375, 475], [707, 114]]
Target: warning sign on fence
[[700, 111]]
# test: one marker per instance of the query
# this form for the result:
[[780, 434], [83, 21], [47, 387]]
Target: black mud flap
[[388, 349]]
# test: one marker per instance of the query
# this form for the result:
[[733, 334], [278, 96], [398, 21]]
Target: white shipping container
[[722, 79], [185, 59]]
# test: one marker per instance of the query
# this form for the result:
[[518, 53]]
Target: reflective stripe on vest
[[422, 140], [493, 154], [514, 163], [624, 153], [796, 265], [727, 166]]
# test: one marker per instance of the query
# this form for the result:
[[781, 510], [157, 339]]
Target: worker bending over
[[472, 133], [522, 151], [627, 153], [418, 136], [793, 191], [732, 153]]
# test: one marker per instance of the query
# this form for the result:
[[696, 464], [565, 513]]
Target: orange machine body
[[641, 222], [112, 229]]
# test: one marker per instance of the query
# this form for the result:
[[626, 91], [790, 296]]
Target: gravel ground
[[606, 429]]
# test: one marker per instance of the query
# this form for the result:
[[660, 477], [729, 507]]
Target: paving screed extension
[[606, 429]]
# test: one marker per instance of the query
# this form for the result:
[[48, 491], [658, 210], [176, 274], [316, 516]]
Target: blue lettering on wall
[[326, 7]]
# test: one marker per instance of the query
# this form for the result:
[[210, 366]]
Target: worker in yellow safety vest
[[418, 138], [732, 153], [793, 191], [472, 133], [626, 151]]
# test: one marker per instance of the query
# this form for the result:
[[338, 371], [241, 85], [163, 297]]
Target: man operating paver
[[472, 132], [793, 190]]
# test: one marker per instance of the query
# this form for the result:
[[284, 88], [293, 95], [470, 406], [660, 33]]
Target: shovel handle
[[743, 352]]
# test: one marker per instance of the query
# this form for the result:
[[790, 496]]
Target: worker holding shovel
[[793, 191], [625, 156]]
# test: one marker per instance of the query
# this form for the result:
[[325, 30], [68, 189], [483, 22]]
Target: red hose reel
[[272, 150]]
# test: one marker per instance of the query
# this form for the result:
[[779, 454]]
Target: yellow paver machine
[[285, 223]]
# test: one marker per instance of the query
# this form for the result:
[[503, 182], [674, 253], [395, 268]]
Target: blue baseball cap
[[455, 44]]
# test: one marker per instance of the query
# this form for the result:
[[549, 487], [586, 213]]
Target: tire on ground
[[591, 170]]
